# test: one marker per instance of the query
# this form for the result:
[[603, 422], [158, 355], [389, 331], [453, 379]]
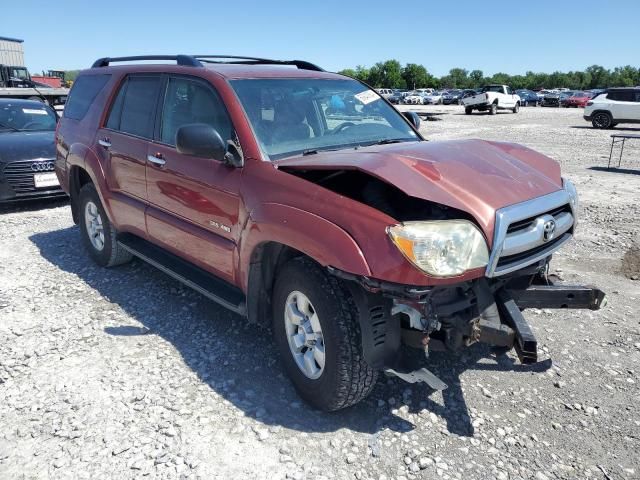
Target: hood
[[16, 146], [475, 176]]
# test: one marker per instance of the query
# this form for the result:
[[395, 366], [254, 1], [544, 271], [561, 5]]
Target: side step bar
[[192, 276]]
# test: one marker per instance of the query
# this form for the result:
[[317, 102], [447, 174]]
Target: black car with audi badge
[[27, 151]]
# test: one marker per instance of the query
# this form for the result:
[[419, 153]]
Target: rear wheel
[[317, 333], [516, 108], [602, 120], [493, 109], [98, 235]]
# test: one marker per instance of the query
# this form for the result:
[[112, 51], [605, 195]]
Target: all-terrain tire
[[493, 109], [112, 253], [602, 120], [346, 378]]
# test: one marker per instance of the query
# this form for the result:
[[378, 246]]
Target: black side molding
[[203, 282]]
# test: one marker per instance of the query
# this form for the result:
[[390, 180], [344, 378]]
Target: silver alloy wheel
[[93, 222], [304, 334]]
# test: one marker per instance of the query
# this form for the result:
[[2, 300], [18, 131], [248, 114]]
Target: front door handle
[[156, 159], [105, 142]]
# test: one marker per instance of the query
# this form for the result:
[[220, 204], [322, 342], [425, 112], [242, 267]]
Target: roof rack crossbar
[[239, 60], [186, 60]]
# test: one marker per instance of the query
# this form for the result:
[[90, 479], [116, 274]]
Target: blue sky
[[491, 36]]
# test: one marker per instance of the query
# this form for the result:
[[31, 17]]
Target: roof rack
[[196, 61], [186, 60], [237, 60]]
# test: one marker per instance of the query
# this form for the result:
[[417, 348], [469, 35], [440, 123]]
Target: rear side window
[[621, 95], [134, 108], [84, 91]]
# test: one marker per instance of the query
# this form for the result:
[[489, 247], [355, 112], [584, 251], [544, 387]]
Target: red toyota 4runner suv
[[304, 200]]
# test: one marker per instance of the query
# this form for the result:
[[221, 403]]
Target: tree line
[[391, 74]]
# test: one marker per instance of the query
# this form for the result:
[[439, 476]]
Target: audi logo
[[43, 167]]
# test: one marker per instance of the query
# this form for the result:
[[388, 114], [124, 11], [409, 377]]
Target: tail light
[[589, 103]]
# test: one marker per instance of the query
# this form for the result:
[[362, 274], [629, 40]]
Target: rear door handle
[[105, 142], [156, 159]]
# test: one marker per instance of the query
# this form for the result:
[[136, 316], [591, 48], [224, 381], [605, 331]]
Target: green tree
[[415, 76], [500, 78], [599, 76], [349, 72], [626, 76], [386, 75], [457, 78], [477, 78]]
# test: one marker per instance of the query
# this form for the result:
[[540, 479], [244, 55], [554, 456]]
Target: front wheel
[[602, 120], [317, 334], [468, 110], [98, 235]]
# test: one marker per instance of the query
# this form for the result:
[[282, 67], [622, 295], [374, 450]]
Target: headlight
[[441, 248]]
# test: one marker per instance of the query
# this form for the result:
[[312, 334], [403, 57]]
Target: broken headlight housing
[[441, 248]]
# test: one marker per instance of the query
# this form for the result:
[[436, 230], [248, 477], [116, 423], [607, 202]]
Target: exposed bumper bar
[[525, 342], [560, 296]]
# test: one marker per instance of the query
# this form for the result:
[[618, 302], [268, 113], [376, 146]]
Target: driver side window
[[187, 101]]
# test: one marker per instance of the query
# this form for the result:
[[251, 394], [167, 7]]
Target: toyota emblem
[[548, 230]]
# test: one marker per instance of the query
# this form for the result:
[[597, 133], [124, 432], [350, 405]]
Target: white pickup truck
[[492, 98]]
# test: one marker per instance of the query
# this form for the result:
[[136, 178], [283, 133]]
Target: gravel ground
[[124, 373]]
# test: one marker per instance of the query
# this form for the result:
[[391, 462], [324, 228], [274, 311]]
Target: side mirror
[[200, 140], [413, 118]]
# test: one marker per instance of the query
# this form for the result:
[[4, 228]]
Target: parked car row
[[426, 96], [545, 98]]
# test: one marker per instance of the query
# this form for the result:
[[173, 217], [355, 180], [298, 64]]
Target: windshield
[[16, 72], [26, 117], [293, 116], [492, 88]]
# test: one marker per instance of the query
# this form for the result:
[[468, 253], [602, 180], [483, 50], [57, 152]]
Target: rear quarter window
[[621, 95], [83, 93]]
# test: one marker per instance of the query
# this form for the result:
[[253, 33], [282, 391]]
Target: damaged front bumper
[[487, 310]]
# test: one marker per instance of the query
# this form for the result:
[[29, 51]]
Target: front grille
[[522, 238], [523, 256], [19, 175], [527, 222]]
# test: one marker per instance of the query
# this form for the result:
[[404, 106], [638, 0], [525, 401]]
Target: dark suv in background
[[27, 151]]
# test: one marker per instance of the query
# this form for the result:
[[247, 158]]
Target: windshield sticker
[[34, 111], [367, 96]]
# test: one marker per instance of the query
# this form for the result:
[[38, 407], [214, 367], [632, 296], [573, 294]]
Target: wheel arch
[[277, 233], [78, 177]]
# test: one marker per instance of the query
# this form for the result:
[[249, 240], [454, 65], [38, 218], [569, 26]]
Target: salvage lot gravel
[[123, 373]]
